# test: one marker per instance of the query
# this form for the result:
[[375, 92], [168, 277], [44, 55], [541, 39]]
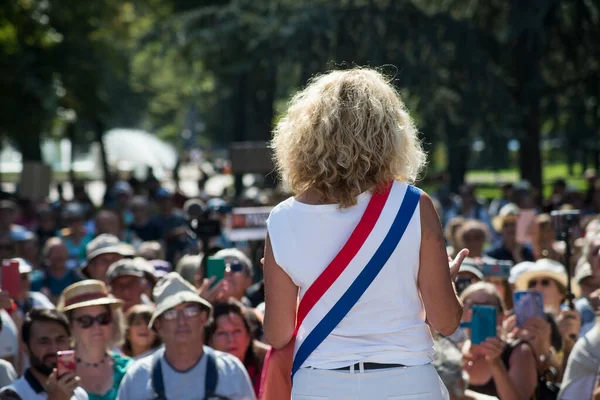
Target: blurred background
[[502, 90]]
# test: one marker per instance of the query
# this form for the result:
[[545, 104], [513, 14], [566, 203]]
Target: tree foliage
[[469, 70]]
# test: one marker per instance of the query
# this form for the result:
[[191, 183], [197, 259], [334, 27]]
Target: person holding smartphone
[[44, 333], [92, 312], [495, 367]]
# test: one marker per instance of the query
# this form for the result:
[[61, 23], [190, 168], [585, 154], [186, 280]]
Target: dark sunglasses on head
[[533, 283], [86, 321], [236, 267]]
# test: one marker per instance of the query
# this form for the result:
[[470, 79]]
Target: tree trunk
[[99, 133], [71, 136], [458, 157], [530, 156], [29, 144], [239, 120]]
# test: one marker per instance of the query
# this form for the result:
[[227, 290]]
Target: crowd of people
[[128, 287], [127, 282]]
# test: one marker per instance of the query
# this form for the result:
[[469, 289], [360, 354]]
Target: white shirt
[[387, 324], [9, 343], [28, 388], [233, 381]]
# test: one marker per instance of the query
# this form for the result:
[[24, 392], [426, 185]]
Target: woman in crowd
[[473, 235], [75, 235], [230, 331], [496, 368], [548, 277], [544, 240], [91, 310], [347, 146], [451, 235], [139, 339]]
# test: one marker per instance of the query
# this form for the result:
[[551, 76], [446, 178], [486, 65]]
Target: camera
[[565, 220]]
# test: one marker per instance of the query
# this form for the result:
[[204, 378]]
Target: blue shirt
[[41, 279]]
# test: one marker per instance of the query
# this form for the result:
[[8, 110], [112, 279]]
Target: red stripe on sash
[[343, 258]]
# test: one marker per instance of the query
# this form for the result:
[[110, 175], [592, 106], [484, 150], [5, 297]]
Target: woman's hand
[[5, 300], [221, 291], [456, 263], [537, 332], [491, 350], [569, 324]]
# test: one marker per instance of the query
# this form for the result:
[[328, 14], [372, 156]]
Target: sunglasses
[[86, 321], [188, 312], [533, 283], [236, 267]]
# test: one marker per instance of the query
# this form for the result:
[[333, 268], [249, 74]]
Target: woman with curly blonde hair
[[358, 245]]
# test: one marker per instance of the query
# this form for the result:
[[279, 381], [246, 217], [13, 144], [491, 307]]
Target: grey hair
[[448, 364], [235, 253]]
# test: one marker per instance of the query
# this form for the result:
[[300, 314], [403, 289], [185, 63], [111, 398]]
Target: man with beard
[[44, 333]]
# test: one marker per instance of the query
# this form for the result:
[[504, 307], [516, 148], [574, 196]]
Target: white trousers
[[414, 383]]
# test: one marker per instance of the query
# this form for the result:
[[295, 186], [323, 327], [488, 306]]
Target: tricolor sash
[[364, 278]]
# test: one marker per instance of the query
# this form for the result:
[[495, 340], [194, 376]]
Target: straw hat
[[509, 210], [89, 292], [173, 290], [546, 268]]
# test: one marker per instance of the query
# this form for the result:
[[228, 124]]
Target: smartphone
[[10, 277], [65, 362], [483, 323], [496, 268], [524, 224], [215, 266], [528, 304]]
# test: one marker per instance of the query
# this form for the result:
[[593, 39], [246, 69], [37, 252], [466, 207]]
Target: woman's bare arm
[[281, 298], [437, 291]]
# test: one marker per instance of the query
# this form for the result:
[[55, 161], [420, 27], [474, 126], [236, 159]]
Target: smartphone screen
[[483, 323], [528, 304], [65, 362], [524, 224], [10, 277], [215, 266]]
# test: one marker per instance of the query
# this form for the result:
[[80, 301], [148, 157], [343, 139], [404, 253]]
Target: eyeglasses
[[188, 312], [235, 267], [533, 283], [86, 321]]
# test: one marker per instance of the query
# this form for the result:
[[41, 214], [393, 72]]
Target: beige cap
[[171, 291]]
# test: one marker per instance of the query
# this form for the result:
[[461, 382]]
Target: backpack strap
[[158, 384], [212, 376]]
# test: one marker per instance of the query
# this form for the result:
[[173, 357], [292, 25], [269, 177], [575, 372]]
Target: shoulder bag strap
[[212, 374], [158, 383]]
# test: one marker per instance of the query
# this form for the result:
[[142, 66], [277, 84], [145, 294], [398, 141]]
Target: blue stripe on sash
[[363, 281]]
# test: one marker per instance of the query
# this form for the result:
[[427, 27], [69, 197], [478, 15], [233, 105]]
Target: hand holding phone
[[215, 267], [483, 323], [496, 268], [10, 277], [528, 304], [65, 362]]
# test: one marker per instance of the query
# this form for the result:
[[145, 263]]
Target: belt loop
[[361, 367], [352, 368]]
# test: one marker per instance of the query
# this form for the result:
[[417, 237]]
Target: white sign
[[247, 223]]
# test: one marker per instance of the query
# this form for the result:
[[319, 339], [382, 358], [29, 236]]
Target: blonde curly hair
[[347, 132]]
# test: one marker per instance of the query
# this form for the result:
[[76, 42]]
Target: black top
[[489, 388]]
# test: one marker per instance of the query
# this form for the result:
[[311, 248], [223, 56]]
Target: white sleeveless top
[[387, 325]]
